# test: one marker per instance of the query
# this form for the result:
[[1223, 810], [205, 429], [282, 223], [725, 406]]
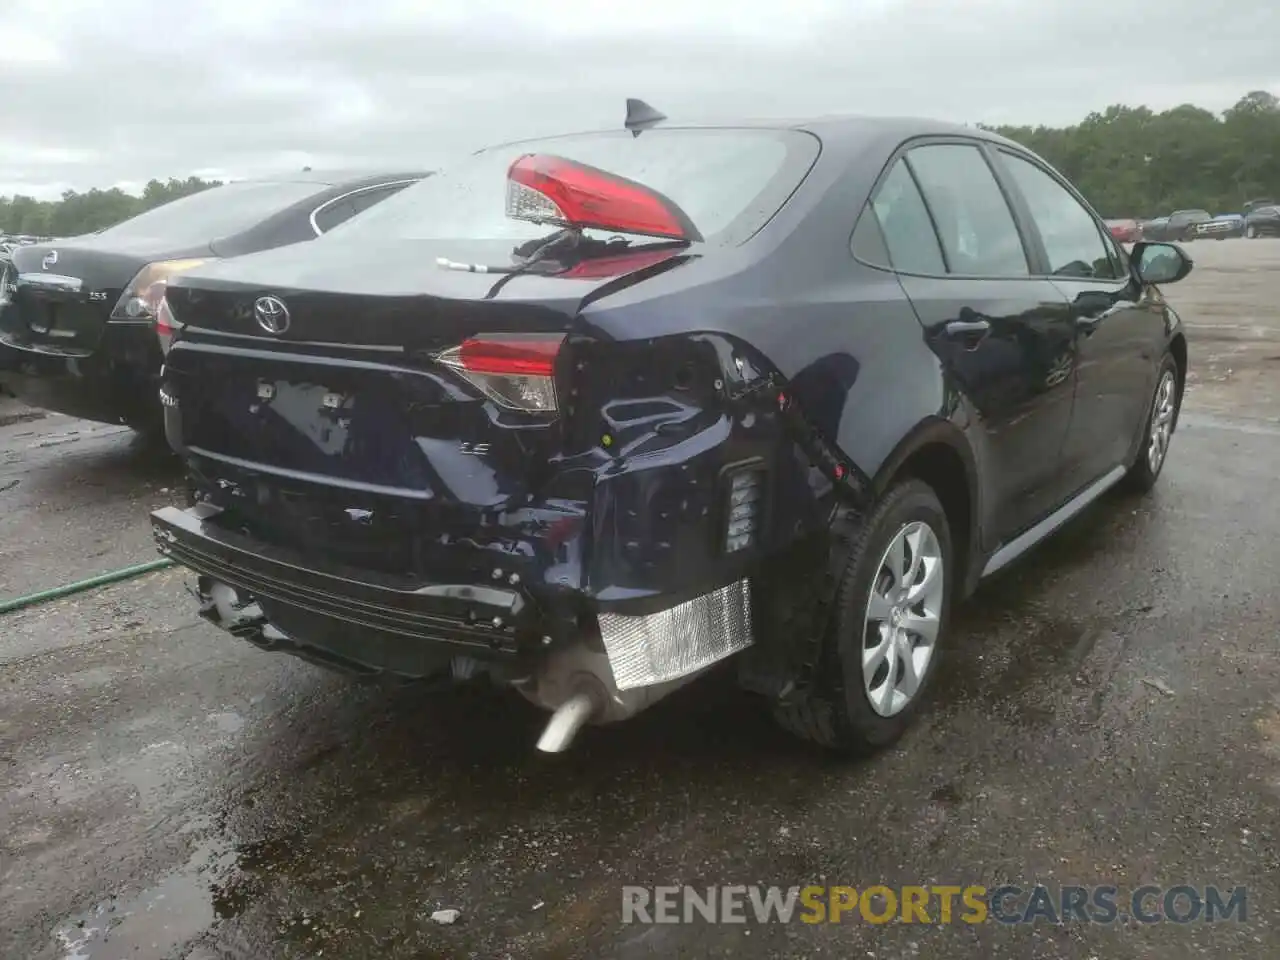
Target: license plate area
[[333, 427], [58, 312]]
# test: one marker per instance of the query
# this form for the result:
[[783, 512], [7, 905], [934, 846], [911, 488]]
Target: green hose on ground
[[115, 576]]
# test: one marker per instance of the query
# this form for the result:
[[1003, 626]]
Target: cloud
[[100, 92]]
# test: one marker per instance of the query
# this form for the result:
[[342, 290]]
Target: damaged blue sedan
[[593, 414]]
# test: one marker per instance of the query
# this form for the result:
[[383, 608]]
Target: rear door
[[1121, 331], [1004, 336]]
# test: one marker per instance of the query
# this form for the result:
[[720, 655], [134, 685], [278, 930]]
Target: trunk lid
[[62, 295], [397, 299], [349, 393]]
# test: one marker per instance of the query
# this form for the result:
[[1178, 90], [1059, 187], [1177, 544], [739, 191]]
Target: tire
[[148, 430], [1144, 473], [839, 713]]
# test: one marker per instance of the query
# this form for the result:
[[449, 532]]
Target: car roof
[[850, 129], [339, 178]]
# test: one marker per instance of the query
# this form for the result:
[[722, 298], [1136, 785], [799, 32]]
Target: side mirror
[[1160, 262]]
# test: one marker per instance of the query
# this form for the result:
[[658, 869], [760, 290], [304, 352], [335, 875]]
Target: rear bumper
[[485, 620], [117, 382], [369, 624]]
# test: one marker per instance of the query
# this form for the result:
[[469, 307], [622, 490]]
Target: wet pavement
[[1110, 714]]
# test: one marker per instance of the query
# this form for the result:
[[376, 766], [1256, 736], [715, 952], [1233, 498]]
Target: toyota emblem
[[272, 315]]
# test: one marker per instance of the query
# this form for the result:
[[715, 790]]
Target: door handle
[[971, 332]]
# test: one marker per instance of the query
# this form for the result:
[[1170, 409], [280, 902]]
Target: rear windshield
[[214, 213], [729, 182]]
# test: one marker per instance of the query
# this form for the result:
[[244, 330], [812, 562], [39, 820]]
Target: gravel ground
[[1110, 715]]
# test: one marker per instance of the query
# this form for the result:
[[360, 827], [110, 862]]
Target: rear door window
[[973, 219], [365, 199], [333, 213], [903, 220]]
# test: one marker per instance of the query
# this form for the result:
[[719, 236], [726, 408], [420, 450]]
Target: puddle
[[156, 922], [218, 882]]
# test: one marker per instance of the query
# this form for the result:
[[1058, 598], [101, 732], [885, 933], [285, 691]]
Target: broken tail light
[[516, 371], [552, 190], [138, 302], [165, 324], [143, 301]]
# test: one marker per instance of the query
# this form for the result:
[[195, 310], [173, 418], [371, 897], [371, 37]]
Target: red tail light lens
[[548, 189], [530, 357], [516, 371]]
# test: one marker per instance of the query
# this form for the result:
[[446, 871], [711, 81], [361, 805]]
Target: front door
[[1120, 330]]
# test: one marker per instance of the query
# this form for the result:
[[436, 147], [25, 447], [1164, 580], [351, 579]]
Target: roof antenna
[[641, 116]]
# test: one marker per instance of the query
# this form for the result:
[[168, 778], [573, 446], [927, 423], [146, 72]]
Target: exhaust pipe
[[568, 718]]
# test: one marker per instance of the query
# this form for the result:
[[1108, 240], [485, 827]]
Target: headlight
[[141, 298]]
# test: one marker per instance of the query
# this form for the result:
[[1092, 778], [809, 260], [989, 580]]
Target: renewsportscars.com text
[[934, 904]]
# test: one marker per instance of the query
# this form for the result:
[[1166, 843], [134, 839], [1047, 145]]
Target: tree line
[[1133, 162], [78, 213], [1128, 161]]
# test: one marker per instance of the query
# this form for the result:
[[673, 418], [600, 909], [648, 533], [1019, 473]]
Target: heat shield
[[679, 641]]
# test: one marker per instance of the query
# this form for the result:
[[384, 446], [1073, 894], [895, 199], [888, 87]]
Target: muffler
[[568, 718], [577, 685], [643, 659]]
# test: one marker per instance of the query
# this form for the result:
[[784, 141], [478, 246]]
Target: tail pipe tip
[[568, 718]]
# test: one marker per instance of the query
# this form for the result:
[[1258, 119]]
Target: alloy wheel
[[903, 616], [1162, 421]]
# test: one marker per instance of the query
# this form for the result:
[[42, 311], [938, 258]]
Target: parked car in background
[[1262, 222], [1182, 224], [78, 333], [1156, 228], [1125, 231], [1221, 227], [776, 392], [1250, 205]]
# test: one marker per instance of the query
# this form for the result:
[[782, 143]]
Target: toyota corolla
[[592, 414]]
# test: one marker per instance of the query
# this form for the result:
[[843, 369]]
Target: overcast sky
[[114, 92]]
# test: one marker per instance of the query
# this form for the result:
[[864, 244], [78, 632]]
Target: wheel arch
[[938, 453]]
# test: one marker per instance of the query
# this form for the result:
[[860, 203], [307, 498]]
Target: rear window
[[214, 213], [729, 182]]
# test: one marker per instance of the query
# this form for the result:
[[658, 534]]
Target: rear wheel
[[889, 627], [149, 428], [1161, 420]]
